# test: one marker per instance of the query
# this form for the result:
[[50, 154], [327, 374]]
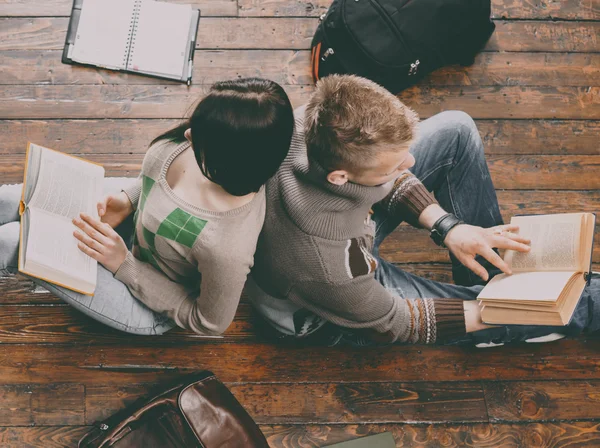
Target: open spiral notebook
[[139, 36]]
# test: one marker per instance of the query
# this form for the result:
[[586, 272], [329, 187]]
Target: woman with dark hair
[[198, 207]]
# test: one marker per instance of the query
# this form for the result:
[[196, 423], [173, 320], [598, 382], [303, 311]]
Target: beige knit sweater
[[186, 262]]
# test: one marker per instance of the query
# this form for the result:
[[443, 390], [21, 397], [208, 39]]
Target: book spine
[[129, 47]]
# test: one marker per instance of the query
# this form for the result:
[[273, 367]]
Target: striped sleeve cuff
[[449, 319], [408, 198]]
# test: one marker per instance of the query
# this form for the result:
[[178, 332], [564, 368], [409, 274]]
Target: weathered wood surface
[[505, 9], [49, 33], [125, 136], [579, 434], [174, 101], [291, 67], [256, 362], [534, 93]]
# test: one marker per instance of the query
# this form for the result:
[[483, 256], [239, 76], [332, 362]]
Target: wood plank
[[579, 434], [110, 136], [110, 101], [293, 67], [41, 404], [509, 9], [538, 136], [254, 362], [506, 102], [62, 8], [148, 101], [296, 33], [534, 172], [63, 324], [18, 290], [542, 400], [45, 67], [277, 403]]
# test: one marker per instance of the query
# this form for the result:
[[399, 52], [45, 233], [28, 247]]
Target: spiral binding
[[137, 6]]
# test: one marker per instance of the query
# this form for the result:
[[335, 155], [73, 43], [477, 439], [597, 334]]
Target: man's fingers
[[516, 237], [507, 243], [495, 259], [476, 268]]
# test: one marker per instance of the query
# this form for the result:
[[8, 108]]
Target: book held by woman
[[57, 187], [547, 282]]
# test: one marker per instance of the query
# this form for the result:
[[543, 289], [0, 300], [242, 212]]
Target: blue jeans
[[112, 303], [450, 162]]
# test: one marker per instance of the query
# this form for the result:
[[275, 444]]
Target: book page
[[67, 186], [531, 286], [555, 243], [51, 243], [102, 36], [161, 39]]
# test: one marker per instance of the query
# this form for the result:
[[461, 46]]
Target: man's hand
[[467, 241], [113, 209], [100, 241]]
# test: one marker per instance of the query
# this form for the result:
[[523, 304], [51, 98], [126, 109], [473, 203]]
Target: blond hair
[[349, 120]]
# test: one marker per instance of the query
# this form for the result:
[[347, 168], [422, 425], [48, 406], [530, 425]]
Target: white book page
[[51, 243], [555, 242], [161, 39], [67, 186], [533, 286], [103, 33]]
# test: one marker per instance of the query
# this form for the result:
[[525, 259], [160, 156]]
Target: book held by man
[[57, 187], [139, 36], [548, 281]]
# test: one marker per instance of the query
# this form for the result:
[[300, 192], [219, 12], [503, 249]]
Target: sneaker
[[548, 338]]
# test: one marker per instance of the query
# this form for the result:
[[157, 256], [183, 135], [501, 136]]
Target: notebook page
[[103, 33], [161, 39]]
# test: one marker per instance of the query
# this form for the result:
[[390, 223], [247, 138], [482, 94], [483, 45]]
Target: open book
[[547, 282], [56, 188], [140, 36]]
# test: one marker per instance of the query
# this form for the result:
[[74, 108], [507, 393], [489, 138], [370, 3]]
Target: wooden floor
[[535, 93]]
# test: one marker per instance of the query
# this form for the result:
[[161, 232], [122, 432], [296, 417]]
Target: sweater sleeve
[[134, 191], [408, 199], [209, 313], [363, 303]]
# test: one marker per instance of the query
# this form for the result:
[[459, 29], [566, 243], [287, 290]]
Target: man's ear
[[188, 134], [338, 177]]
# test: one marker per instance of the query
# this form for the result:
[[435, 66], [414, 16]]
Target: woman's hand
[[114, 208], [467, 241], [99, 241]]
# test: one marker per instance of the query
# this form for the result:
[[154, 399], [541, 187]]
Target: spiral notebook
[[139, 36]]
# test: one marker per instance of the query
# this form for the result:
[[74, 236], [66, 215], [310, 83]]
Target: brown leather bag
[[198, 411]]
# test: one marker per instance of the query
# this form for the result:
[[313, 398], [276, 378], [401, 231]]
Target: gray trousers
[[112, 303]]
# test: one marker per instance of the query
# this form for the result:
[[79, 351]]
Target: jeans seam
[[434, 169]]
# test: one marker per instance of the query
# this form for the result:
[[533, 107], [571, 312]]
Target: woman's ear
[[338, 177], [188, 134]]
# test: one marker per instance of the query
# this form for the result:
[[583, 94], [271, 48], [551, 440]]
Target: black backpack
[[396, 42]]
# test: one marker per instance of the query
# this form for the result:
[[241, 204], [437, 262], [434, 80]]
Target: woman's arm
[[209, 313]]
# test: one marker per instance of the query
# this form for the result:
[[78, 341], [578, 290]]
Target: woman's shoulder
[[158, 153]]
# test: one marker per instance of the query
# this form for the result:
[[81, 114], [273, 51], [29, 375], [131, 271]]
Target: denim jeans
[[112, 303], [450, 162]]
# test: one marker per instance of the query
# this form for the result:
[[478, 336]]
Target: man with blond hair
[[344, 187]]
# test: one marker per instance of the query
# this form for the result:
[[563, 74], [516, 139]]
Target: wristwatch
[[442, 226]]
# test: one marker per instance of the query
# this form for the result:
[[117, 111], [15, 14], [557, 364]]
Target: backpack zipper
[[414, 66]]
